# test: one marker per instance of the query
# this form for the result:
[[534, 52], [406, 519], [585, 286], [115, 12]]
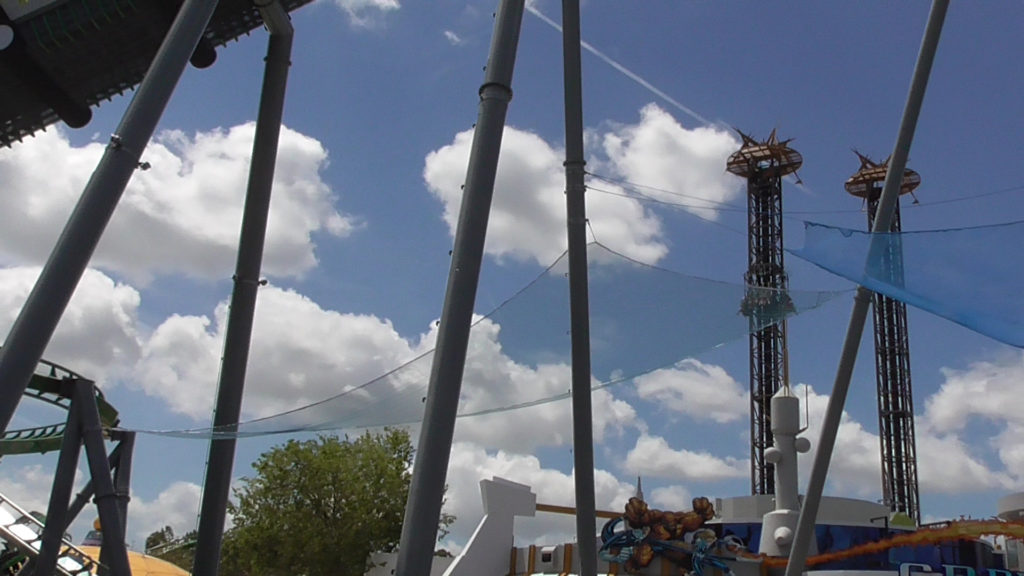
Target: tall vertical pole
[[123, 476], [848, 357], [60, 494], [114, 553], [426, 493], [766, 298], [895, 391], [243, 297], [39, 316], [892, 351], [579, 303]]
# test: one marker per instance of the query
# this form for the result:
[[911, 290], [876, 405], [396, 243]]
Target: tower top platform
[[868, 181], [772, 156]]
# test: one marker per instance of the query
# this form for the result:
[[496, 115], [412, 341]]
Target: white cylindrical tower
[[779, 526]]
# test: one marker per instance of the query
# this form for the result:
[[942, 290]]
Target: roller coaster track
[[47, 385], [24, 532], [18, 528]]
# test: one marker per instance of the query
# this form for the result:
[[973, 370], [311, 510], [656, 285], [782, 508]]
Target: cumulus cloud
[[183, 214], [698, 390], [674, 497], [661, 153], [527, 220], [946, 463], [333, 352], [471, 463], [367, 13], [29, 487], [856, 466], [97, 336], [300, 354], [176, 506], [985, 389], [493, 379], [652, 456]]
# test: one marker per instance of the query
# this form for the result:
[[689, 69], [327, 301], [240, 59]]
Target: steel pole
[[114, 553], [87, 491], [862, 300], [42, 311], [123, 476], [579, 298], [243, 297], [426, 493], [60, 495]]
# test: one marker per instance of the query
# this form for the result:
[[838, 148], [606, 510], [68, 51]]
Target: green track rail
[[49, 384]]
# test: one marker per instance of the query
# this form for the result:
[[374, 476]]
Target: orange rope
[[957, 530]]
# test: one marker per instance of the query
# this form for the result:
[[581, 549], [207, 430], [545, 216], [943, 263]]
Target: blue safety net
[[967, 275], [641, 318]]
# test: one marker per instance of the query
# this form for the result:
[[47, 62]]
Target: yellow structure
[[142, 565]]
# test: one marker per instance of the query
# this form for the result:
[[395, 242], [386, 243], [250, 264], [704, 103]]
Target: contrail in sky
[[650, 87], [625, 71]]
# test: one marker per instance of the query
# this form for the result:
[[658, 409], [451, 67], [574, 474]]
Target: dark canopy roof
[[74, 54]]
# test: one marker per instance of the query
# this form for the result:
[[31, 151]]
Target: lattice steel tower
[[766, 302], [892, 353]]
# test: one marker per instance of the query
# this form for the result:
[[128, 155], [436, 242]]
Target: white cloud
[[946, 463], [176, 506], [183, 215], [492, 379], [290, 367], [367, 13], [701, 391], [453, 38], [652, 456], [97, 335], [856, 467], [659, 152], [470, 463], [300, 354], [674, 497], [29, 488], [527, 219], [986, 389]]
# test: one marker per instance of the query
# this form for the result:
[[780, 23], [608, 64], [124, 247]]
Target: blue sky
[[380, 101]]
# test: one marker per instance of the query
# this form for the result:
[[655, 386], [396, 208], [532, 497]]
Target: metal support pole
[[114, 553], [243, 297], [87, 491], [426, 493], [123, 476], [579, 298], [883, 218], [60, 494], [49, 297]]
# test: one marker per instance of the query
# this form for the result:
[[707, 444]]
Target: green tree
[[320, 507], [165, 546]]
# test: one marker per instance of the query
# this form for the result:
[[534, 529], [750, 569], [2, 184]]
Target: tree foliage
[[320, 507], [178, 551]]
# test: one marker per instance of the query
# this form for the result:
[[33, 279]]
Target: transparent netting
[[641, 318], [959, 274]]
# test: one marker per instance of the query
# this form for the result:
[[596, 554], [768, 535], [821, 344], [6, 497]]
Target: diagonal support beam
[[426, 493], [46, 303], [228, 409], [579, 296], [862, 300]]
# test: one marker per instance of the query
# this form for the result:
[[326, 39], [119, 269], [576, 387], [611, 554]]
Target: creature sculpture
[[676, 536]]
